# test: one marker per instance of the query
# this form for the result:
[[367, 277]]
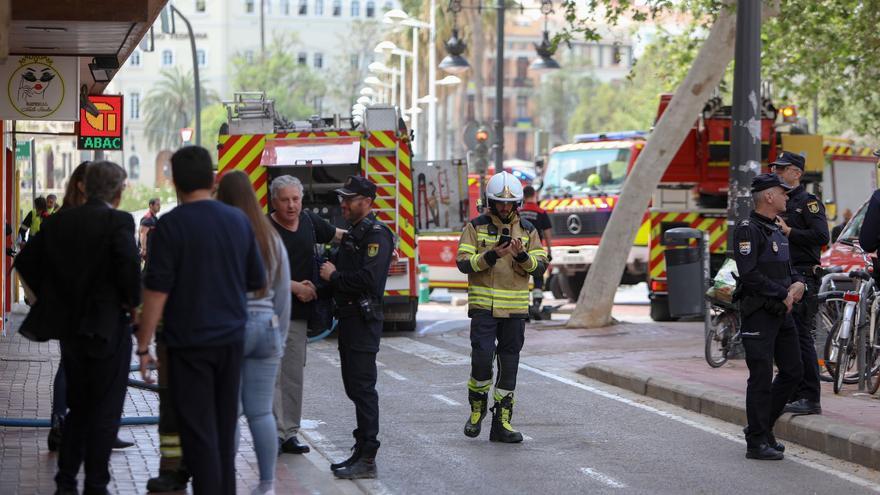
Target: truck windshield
[[590, 171]]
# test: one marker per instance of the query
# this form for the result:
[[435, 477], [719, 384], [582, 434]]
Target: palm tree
[[170, 106]]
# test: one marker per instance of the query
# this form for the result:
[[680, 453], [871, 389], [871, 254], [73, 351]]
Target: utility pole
[[499, 89], [262, 28], [198, 90], [745, 135]]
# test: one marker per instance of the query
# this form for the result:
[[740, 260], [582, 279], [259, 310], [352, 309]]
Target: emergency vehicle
[[322, 153]]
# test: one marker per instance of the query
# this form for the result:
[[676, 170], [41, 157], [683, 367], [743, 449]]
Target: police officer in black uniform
[[806, 227], [768, 288], [357, 278]]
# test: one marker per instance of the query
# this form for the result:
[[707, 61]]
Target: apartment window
[[200, 5], [522, 106], [319, 7], [303, 7], [167, 58], [388, 6], [319, 61], [249, 56], [371, 9], [302, 58], [337, 8], [522, 65], [285, 7], [134, 167], [202, 59], [521, 138], [134, 106], [355, 8], [135, 59], [249, 7], [355, 61], [616, 56]]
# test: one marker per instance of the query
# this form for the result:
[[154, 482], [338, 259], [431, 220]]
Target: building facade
[[224, 29]]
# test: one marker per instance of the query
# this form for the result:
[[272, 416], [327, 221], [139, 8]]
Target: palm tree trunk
[[596, 299]]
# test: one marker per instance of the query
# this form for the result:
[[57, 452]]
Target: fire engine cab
[[322, 153]]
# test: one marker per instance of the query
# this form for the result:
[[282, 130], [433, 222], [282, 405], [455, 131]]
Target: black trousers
[[170, 454], [359, 380], [509, 333], [204, 384], [805, 320], [767, 338], [97, 377]]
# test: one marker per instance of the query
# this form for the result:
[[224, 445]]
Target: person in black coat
[[84, 266]]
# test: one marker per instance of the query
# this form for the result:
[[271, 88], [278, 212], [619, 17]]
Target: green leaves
[[170, 106]]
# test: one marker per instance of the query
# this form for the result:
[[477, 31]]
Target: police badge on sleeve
[[745, 247], [813, 206], [372, 250]]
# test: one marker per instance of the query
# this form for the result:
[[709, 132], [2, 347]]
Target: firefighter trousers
[[500, 339]]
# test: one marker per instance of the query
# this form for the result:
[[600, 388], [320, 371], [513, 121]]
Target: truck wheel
[[556, 287], [660, 309]]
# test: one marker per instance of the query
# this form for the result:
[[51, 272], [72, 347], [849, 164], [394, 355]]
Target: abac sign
[[102, 131]]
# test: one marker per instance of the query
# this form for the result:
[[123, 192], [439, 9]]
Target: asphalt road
[[581, 436]]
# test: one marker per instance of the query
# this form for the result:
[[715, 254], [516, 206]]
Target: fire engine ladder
[[386, 179]]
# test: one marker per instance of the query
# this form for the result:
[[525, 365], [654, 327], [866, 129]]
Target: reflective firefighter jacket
[[499, 285]]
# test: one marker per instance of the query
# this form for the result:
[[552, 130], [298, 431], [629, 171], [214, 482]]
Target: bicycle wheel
[[718, 338], [830, 311], [843, 362], [873, 353], [851, 376]]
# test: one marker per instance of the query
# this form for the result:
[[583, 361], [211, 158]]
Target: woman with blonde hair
[[266, 330]]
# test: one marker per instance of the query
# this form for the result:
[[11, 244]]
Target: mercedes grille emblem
[[574, 224]]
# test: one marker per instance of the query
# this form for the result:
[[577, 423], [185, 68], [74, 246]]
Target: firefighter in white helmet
[[499, 251]]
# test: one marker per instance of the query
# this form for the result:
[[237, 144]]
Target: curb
[[850, 443]]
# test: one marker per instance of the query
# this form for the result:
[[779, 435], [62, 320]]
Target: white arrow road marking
[[395, 375], [443, 398], [602, 478]]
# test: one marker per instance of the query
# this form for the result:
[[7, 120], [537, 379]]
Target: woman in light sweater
[[266, 332]]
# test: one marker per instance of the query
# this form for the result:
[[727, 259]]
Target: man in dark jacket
[[83, 264]]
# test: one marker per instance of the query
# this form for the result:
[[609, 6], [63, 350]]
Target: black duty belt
[[808, 270], [352, 308]]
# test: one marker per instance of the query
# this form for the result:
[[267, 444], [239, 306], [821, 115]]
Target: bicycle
[[723, 334], [857, 322]]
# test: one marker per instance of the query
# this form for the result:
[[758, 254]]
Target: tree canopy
[[170, 106], [296, 89]]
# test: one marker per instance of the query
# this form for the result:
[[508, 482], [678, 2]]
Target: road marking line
[[396, 376], [708, 429], [444, 357], [380, 364], [443, 398], [429, 352], [602, 478], [527, 438], [430, 327], [333, 359]]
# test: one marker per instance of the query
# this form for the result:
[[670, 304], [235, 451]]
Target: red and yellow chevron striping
[[715, 226], [597, 203]]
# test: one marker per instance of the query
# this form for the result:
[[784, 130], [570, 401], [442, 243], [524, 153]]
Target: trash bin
[[684, 272]]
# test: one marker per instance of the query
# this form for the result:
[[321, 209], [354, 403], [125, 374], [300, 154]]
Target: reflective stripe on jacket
[[499, 285]]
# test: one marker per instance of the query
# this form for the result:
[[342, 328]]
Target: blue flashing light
[[609, 136]]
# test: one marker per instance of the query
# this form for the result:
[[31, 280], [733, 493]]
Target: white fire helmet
[[504, 187]]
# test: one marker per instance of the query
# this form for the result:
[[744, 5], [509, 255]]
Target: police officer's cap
[[766, 181], [787, 158], [356, 185]]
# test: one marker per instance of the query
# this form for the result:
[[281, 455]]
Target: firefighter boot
[[169, 481], [502, 412], [355, 455], [478, 412]]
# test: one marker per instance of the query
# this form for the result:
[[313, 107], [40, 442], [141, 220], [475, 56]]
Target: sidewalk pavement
[[665, 361], [27, 467]]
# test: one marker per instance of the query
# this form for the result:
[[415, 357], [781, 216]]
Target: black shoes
[[771, 440], [802, 407], [66, 491], [478, 404], [362, 468], [355, 455], [122, 444], [168, 481], [54, 439], [292, 446], [764, 452]]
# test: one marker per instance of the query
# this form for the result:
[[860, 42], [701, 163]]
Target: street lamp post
[[192, 45]]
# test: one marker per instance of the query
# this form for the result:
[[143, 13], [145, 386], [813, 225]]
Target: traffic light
[[789, 114]]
